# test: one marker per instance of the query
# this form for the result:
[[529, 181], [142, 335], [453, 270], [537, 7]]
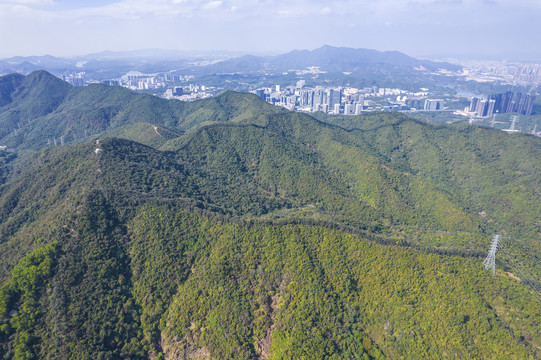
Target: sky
[[498, 29]]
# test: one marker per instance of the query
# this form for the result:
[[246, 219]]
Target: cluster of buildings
[[149, 82], [347, 101], [327, 100], [330, 100], [76, 79], [132, 80], [503, 103], [528, 74], [503, 72], [190, 92], [137, 81]]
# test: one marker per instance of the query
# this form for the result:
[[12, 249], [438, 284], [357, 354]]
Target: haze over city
[[496, 29]]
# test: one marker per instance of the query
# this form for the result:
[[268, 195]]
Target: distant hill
[[27, 64], [328, 58], [110, 64], [230, 229], [159, 54], [39, 108], [376, 65]]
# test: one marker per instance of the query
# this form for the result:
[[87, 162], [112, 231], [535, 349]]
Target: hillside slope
[[39, 110], [242, 231], [135, 233]]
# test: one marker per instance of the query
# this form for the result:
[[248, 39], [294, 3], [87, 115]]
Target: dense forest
[[230, 229]]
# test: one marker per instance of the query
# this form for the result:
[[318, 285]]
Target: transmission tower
[[514, 120], [490, 260], [493, 121]]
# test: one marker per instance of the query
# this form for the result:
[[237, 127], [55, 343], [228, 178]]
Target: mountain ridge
[[250, 231], [327, 58], [60, 110]]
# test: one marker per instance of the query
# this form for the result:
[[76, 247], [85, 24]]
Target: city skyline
[[421, 28]]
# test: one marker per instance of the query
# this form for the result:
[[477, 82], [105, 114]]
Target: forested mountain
[[328, 58], [230, 229], [39, 109]]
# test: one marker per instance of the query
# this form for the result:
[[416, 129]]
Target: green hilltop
[[38, 109], [230, 229]]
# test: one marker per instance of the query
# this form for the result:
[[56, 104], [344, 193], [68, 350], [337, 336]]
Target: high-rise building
[[485, 107], [317, 99], [358, 108], [518, 98], [528, 105], [507, 97], [360, 101], [178, 91], [497, 101], [525, 105], [414, 103], [303, 97], [482, 107], [260, 93], [509, 102], [310, 98], [474, 103], [334, 96], [433, 105], [490, 107]]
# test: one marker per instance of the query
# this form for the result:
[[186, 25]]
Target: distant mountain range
[[327, 58]]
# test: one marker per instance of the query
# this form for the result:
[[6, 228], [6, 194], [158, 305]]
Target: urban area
[[349, 100]]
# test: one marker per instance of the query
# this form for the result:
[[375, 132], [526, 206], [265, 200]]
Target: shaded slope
[[8, 84], [28, 98]]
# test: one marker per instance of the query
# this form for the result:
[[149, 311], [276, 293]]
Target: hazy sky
[[507, 28]]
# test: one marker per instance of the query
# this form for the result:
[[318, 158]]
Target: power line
[[526, 277], [504, 249]]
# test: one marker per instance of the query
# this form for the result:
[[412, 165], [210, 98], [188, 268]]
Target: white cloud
[[8, 9], [124, 24], [212, 5], [135, 9], [32, 2]]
